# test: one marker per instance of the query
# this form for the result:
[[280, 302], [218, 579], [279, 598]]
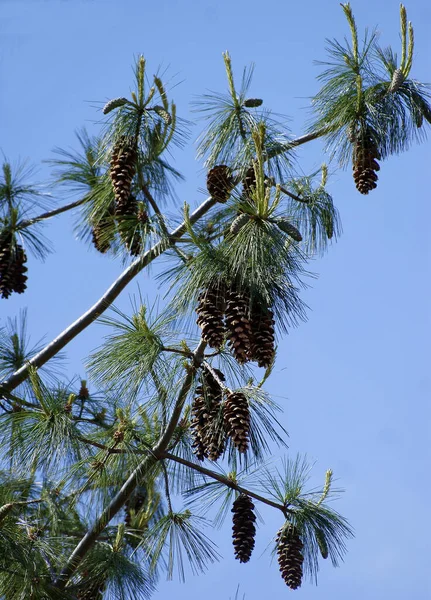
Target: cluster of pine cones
[[288, 541], [128, 212], [12, 266], [218, 414], [225, 312]]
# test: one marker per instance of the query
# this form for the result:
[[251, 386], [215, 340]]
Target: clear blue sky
[[354, 380]]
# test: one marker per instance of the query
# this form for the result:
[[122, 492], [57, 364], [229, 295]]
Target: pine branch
[[51, 213], [147, 463], [225, 480], [104, 302]]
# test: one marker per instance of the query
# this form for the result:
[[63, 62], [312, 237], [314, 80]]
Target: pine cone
[[321, 542], [122, 171], [252, 102], [238, 325], [83, 393], [365, 164], [397, 81], [206, 423], [249, 182], [262, 348], [238, 223], [220, 182], [237, 420], [211, 304], [290, 557], [243, 529], [159, 110], [12, 267], [102, 232], [287, 227], [114, 103]]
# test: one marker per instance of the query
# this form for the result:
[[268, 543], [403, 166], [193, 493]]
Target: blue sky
[[354, 380]]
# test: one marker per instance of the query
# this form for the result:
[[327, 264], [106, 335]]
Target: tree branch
[[104, 302], [51, 213], [147, 463], [222, 479]]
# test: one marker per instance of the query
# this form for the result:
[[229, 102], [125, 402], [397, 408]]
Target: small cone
[[365, 164], [237, 420], [159, 110], [102, 232], [211, 304], [253, 102], [397, 81], [243, 529], [249, 182], [122, 171], [83, 393], [288, 228], [114, 103], [262, 348], [321, 542], [238, 223], [220, 183], [290, 557], [238, 325]]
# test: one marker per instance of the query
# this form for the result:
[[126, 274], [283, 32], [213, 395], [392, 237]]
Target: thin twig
[[222, 479], [51, 213]]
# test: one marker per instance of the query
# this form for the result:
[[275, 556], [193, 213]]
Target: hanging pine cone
[[365, 164], [220, 182], [243, 529], [290, 557], [397, 81], [102, 231], [238, 324], [287, 227], [12, 267], [238, 223], [249, 182], [262, 348], [210, 309], [321, 542], [252, 102], [122, 171], [237, 420], [206, 423]]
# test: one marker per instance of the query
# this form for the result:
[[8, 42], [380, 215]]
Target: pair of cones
[[213, 420]]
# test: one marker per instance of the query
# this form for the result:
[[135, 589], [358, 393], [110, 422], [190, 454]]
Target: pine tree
[[94, 475]]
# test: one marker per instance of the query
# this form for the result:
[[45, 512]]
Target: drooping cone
[[252, 102], [365, 165], [238, 324], [122, 171], [290, 557], [12, 267], [243, 529], [262, 348], [397, 81], [210, 309], [249, 182], [238, 223], [237, 420], [220, 182], [287, 227], [101, 232], [207, 425], [321, 542]]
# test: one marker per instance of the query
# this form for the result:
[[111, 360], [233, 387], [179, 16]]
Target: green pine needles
[[110, 482]]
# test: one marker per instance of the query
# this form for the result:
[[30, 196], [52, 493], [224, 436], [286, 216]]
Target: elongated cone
[[210, 309], [288, 228], [321, 542], [220, 183], [122, 171], [102, 232], [238, 325], [397, 81], [252, 102], [365, 163], [207, 426], [237, 420], [290, 557], [243, 529], [12, 267], [114, 103], [238, 223], [262, 349]]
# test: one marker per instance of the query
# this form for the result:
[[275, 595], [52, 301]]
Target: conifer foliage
[[107, 485]]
